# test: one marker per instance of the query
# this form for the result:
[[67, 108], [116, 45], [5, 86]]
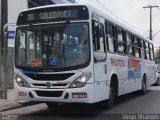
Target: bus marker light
[[79, 95]]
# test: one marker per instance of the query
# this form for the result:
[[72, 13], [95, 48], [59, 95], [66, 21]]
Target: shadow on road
[[80, 109], [130, 97], [85, 111]]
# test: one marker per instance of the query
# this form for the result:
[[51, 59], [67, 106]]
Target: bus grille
[[49, 93], [53, 85], [50, 77]]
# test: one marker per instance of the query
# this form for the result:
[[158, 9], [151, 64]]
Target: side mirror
[[99, 57]]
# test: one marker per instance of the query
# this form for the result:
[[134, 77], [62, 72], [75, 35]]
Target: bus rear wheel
[[157, 82], [144, 86]]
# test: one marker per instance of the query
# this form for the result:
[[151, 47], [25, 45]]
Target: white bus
[[79, 54]]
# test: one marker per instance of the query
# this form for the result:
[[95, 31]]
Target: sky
[[132, 13]]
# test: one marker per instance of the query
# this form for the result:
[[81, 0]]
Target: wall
[[14, 8]]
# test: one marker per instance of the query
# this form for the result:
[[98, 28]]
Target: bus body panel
[[118, 65], [149, 70]]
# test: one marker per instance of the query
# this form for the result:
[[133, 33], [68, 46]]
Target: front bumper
[[69, 95]]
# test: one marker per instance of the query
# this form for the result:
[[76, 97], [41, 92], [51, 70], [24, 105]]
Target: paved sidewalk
[[10, 103], [7, 105]]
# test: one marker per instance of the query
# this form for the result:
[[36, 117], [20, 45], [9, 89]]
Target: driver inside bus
[[71, 52]]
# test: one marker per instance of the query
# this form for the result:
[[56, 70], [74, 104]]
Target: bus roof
[[99, 12], [115, 21]]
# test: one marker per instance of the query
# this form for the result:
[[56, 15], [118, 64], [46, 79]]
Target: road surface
[[129, 107]]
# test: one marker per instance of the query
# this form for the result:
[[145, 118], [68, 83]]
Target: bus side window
[[136, 47], [148, 53], [98, 37], [120, 41], [99, 42], [109, 37], [145, 53], [152, 54], [142, 49], [129, 44], [151, 51], [147, 50]]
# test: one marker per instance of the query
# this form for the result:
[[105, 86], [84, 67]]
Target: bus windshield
[[52, 47]]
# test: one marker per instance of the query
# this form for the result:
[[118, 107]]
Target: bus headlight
[[21, 82], [81, 81]]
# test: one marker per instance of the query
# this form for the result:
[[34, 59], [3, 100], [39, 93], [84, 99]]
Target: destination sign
[[53, 14]]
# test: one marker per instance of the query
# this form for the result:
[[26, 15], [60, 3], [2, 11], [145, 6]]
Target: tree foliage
[[157, 54]]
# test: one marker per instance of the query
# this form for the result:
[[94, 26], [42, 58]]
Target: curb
[[16, 105]]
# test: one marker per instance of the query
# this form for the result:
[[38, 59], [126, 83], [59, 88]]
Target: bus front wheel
[[111, 100]]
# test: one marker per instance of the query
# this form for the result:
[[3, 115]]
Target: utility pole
[[150, 7], [3, 48]]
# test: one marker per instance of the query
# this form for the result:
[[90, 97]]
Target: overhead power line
[[142, 1], [119, 17], [156, 33]]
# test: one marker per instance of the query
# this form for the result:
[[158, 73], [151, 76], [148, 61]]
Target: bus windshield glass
[[52, 47]]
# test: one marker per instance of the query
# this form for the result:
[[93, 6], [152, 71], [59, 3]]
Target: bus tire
[[144, 86], [157, 82], [52, 105], [112, 96]]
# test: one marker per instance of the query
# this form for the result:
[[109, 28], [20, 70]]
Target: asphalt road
[[129, 107]]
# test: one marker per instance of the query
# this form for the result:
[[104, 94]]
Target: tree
[[157, 55]]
